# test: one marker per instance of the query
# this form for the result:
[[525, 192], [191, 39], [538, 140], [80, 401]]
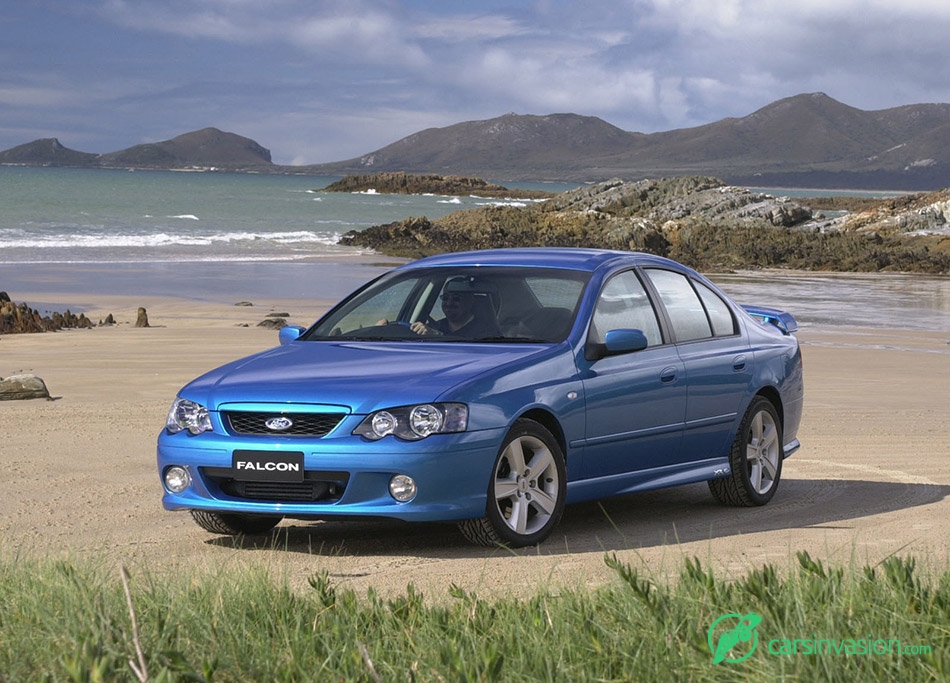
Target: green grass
[[66, 621]]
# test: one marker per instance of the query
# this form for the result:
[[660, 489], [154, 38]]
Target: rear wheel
[[755, 459], [233, 524], [526, 491]]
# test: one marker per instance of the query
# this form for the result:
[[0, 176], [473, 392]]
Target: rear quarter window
[[720, 315]]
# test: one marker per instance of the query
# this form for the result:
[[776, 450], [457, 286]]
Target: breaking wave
[[160, 239]]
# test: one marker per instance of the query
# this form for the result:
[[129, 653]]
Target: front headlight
[[189, 415], [415, 422]]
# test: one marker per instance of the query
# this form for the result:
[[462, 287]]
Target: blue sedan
[[491, 388]]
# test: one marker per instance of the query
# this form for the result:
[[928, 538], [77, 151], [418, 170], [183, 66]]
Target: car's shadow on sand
[[669, 516]]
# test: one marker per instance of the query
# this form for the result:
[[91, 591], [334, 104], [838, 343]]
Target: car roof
[[542, 257]]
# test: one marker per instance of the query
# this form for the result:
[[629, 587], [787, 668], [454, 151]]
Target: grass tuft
[[82, 622]]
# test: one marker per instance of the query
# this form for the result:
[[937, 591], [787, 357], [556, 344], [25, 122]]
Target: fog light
[[402, 487], [177, 479]]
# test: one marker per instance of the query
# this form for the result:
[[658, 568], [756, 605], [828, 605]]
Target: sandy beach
[[872, 478]]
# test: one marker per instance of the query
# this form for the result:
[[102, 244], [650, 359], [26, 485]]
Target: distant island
[[400, 182], [208, 149], [806, 141]]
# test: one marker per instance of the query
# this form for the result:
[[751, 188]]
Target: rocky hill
[[208, 148], [47, 152], [808, 140], [510, 146], [698, 220]]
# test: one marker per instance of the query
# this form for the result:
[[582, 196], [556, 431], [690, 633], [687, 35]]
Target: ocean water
[[229, 237], [55, 215]]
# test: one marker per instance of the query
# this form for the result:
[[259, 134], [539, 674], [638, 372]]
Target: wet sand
[[872, 477]]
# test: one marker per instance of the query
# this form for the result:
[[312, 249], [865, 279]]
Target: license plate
[[267, 465]]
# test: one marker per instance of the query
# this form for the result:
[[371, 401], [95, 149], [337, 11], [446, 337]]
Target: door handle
[[738, 363], [668, 375]]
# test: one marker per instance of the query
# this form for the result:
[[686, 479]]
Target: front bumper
[[347, 476]]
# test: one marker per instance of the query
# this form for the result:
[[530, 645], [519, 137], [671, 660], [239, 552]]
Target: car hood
[[358, 376]]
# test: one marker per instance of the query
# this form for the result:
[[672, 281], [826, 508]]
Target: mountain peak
[[46, 152], [205, 148]]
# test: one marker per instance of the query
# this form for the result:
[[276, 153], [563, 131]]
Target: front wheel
[[233, 524], [755, 459], [526, 491]]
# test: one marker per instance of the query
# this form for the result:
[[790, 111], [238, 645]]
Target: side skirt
[[647, 480]]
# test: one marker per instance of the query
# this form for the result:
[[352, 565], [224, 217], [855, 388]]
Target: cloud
[[361, 73], [469, 28], [32, 96]]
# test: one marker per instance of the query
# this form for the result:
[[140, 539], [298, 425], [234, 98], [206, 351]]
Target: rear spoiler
[[784, 321]]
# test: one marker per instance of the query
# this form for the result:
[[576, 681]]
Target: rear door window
[[683, 305]]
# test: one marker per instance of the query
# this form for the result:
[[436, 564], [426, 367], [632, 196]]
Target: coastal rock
[[20, 318], [142, 319], [273, 323], [399, 182], [697, 220], [612, 214], [22, 387], [70, 320]]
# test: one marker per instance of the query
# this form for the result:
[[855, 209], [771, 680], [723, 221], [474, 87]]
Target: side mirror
[[625, 341], [617, 342], [289, 333]]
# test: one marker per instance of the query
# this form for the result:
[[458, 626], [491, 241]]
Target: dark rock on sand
[[22, 387], [20, 318]]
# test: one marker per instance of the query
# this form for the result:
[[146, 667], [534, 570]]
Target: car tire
[[232, 524], [755, 459], [526, 491]]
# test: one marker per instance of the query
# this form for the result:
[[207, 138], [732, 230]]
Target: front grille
[[316, 486], [306, 491], [304, 424]]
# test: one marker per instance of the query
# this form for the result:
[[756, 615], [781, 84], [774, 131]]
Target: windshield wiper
[[493, 340]]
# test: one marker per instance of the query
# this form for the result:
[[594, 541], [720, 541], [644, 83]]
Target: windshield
[[478, 304]]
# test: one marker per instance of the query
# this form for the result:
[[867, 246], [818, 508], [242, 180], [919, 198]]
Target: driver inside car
[[462, 317]]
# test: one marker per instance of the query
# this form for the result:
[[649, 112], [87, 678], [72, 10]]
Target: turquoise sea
[[228, 237], [206, 236]]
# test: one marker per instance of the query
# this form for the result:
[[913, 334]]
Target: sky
[[317, 81]]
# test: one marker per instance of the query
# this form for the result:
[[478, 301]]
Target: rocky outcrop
[[21, 387], [141, 319], [20, 318], [697, 220], [428, 183], [613, 214]]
